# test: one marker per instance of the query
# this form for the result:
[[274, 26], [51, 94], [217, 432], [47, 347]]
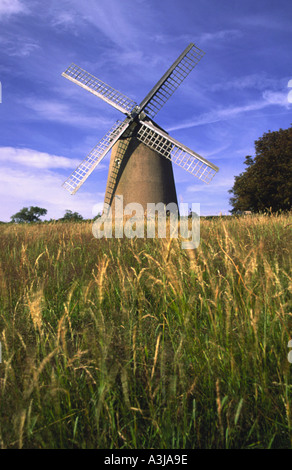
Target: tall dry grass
[[140, 344]]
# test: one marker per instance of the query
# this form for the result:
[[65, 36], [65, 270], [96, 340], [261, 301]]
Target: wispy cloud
[[216, 37], [53, 110], [218, 184], [64, 18], [200, 39], [269, 98], [209, 196], [20, 47], [163, 38], [256, 81], [266, 20], [11, 7], [111, 18]]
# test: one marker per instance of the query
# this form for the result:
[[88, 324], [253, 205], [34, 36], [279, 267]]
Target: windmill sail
[[97, 87], [86, 167], [178, 153], [148, 133], [171, 80]]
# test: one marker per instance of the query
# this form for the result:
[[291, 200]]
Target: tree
[[71, 216], [267, 181], [28, 215]]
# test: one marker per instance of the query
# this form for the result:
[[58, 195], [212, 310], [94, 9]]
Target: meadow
[[139, 344]]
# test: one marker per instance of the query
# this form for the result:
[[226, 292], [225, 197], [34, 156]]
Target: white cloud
[[34, 159], [213, 198], [30, 177], [21, 188], [11, 7], [275, 98]]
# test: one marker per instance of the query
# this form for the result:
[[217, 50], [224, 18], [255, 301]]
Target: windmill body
[[142, 152], [139, 173]]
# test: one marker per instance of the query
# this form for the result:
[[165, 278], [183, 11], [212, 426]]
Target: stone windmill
[[142, 152]]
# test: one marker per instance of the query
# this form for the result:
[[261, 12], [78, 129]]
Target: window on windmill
[[117, 162]]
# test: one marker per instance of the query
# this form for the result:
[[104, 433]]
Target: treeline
[[266, 183], [33, 214]]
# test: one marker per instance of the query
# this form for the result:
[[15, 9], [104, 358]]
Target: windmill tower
[[142, 152]]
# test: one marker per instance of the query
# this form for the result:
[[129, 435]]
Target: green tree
[[28, 215], [267, 181], [71, 216]]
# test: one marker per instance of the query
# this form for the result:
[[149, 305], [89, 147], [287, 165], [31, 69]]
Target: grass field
[[140, 344]]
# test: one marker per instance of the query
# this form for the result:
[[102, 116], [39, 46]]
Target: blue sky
[[238, 91]]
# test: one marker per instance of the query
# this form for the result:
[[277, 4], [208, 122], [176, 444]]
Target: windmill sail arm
[[115, 169], [98, 88], [86, 167], [171, 80], [178, 153]]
